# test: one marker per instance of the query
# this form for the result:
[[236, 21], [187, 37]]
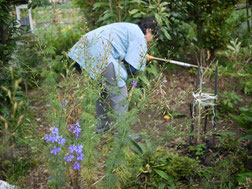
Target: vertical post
[[192, 124], [215, 93], [192, 109], [247, 6], [197, 79], [30, 19], [18, 16]]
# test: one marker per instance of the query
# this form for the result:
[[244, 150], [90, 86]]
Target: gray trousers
[[112, 97]]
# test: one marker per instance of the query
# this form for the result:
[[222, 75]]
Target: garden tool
[[149, 57]]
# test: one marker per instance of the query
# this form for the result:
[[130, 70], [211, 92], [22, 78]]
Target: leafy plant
[[236, 59], [161, 168], [7, 31], [15, 131], [244, 119], [198, 150], [230, 99]]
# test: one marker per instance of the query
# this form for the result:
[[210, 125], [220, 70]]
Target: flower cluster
[[54, 137], [64, 102], [76, 129], [75, 152], [134, 83]]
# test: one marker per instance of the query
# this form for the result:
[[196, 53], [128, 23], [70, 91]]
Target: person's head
[[149, 27]]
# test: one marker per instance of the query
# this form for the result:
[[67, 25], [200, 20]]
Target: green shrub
[[161, 168]]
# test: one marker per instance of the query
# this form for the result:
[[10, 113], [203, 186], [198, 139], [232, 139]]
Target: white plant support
[[24, 6], [202, 100]]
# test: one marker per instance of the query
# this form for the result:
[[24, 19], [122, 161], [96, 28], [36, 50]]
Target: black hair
[[149, 22]]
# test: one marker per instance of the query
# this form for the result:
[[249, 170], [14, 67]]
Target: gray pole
[[247, 7]]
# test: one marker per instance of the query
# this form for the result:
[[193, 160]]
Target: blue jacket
[[111, 44]]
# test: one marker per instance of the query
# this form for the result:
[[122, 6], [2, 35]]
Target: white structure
[[24, 6]]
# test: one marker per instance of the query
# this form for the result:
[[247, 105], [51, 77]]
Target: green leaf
[[136, 147], [161, 185], [144, 79], [246, 137], [134, 11], [138, 1], [167, 35], [152, 69], [99, 4], [164, 175], [138, 15], [241, 177]]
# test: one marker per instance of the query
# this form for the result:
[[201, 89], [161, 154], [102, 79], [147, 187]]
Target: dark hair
[[149, 22]]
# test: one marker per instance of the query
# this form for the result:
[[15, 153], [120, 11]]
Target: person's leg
[[118, 100], [77, 67], [117, 95], [102, 109]]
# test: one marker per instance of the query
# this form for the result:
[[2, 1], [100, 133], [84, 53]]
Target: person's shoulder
[[124, 24]]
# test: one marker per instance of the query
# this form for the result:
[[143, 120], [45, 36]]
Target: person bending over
[[111, 51]]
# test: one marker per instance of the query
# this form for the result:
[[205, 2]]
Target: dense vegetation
[[47, 110]]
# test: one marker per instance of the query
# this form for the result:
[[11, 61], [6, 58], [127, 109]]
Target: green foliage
[[199, 24], [198, 150], [230, 100], [53, 40], [226, 169], [244, 119], [242, 178], [161, 168], [237, 22], [28, 62], [210, 17], [236, 59], [36, 3], [7, 31], [106, 11], [15, 130]]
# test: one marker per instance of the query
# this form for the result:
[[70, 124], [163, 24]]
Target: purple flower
[[64, 102], [71, 127], [54, 138], [77, 165], [68, 158], [62, 141], [55, 150], [77, 124], [79, 148], [192, 166], [55, 130], [77, 131], [72, 149], [48, 138], [134, 83], [80, 157]]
